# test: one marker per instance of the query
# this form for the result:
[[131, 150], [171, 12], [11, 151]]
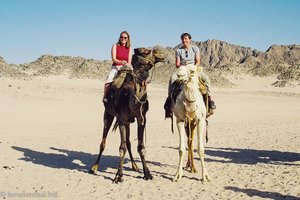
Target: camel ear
[[158, 56], [184, 104]]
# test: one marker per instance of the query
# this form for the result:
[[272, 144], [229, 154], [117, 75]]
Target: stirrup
[[212, 105]]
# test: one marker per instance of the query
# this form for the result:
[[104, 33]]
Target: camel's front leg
[[141, 149], [200, 149], [128, 145], [181, 132], [191, 151]]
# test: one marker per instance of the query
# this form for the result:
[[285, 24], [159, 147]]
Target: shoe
[[212, 105], [104, 100]]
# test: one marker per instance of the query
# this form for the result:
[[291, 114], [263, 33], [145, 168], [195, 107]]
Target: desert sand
[[51, 128]]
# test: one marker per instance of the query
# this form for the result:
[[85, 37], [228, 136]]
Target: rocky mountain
[[219, 58], [76, 67]]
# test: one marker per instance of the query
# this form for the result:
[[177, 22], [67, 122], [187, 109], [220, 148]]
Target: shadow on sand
[[250, 156], [262, 194], [66, 159], [75, 160]]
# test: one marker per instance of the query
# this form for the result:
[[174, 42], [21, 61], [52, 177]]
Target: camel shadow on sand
[[74, 160], [253, 156], [68, 159], [250, 156], [263, 194]]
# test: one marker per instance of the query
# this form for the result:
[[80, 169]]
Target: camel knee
[[122, 149], [181, 152], [141, 149], [102, 145], [201, 152], [128, 143]]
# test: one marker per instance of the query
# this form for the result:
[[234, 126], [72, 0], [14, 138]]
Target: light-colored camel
[[190, 113]]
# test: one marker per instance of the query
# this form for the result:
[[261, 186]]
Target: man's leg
[[168, 103], [207, 82]]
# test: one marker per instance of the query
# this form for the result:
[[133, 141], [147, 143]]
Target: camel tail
[[172, 125], [116, 124]]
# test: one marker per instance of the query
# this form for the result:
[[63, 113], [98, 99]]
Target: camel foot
[[94, 169], [118, 179], [190, 169], [205, 178], [193, 170], [177, 177], [135, 167], [147, 175]]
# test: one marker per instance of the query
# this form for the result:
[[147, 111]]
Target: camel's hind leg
[[190, 132], [128, 145], [200, 130], [180, 126], [108, 119]]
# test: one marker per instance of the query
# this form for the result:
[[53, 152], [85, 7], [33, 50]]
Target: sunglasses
[[186, 54], [123, 37]]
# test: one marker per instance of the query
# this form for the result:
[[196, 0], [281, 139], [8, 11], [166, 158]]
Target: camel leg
[[200, 149], [190, 166], [206, 131], [107, 121], [128, 145], [141, 149], [122, 151], [180, 126], [191, 151], [188, 163]]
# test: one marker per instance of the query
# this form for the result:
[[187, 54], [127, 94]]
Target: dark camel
[[127, 103]]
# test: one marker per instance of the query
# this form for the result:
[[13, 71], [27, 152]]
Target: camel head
[[183, 74], [144, 59]]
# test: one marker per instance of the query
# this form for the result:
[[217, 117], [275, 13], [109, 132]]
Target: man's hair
[[183, 35]]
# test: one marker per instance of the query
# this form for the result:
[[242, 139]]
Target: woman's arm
[[130, 56]]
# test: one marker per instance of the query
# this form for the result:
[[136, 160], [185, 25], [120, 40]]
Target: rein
[[189, 120], [142, 86]]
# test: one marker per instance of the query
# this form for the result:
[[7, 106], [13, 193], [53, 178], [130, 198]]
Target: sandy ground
[[51, 129]]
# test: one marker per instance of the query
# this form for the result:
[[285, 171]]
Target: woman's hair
[[128, 39], [183, 35]]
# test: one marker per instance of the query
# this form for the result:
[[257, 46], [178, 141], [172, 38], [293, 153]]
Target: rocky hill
[[218, 57]]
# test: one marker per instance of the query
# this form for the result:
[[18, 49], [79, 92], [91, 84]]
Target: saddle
[[176, 88], [120, 77]]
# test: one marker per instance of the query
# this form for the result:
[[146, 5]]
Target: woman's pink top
[[122, 54]]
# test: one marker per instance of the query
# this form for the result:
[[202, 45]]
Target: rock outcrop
[[219, 58]]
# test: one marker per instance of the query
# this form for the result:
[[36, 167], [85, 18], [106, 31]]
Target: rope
[[141, 110], [143, 121]]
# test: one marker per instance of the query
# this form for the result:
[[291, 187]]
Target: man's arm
[[197, 59], [177, 59]]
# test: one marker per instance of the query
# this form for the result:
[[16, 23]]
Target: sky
[[88, 28]]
